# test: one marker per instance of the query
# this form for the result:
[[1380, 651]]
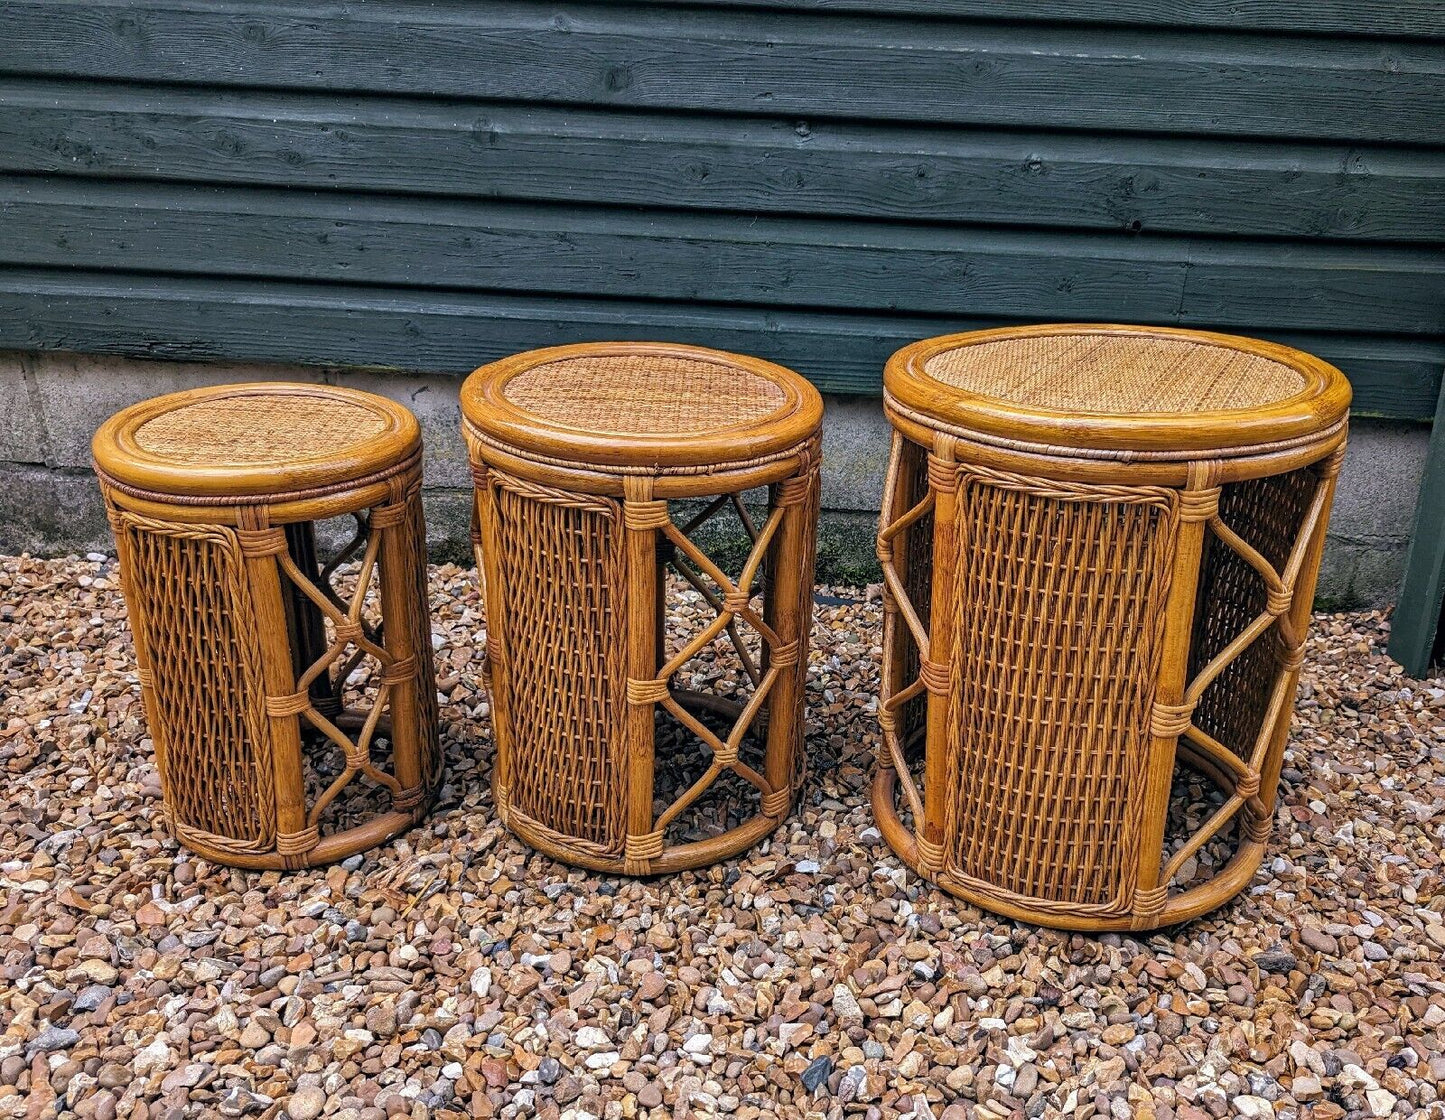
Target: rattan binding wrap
[[246, 645], [1071, 605], [577, 452]]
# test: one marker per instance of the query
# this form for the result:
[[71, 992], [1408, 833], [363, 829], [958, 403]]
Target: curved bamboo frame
[[492, 415], [572, 522], [208, 477], [230, 609], [1322, 401], [1061, 821]]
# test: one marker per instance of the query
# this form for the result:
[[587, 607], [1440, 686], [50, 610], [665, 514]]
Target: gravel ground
[[456, 973]]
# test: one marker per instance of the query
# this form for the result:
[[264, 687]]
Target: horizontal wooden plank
[[446, 332], [716, 258], [632, 159], [780, 64], [1405, 18]]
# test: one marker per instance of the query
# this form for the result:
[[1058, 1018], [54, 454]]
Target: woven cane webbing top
[[640, 405], [254, 439], [254, 430], [644, 394], [1113, 373], [1113, 387]]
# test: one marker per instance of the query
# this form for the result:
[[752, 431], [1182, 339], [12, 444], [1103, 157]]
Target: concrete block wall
[[50, 403]]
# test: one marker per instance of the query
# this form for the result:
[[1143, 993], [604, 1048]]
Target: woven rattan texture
[[644, 394], [1060, 614], [257, 429], [564, 631], [1267, 513], [190, 600], [1114, 373]]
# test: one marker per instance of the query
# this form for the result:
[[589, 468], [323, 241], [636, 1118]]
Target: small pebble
[[454, 971]]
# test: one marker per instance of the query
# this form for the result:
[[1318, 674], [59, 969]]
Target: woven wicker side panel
[[1268, 513], [561, 566], [1060, 607], [193, 613]]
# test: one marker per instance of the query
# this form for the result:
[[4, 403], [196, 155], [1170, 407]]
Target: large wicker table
[[596, 466], [1100, 546]]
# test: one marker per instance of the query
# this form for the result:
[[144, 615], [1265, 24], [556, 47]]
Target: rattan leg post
[[935, 660], [293, 836], [400, 627], [1170, 715], [640, 514], [495, 658], [789, 612]]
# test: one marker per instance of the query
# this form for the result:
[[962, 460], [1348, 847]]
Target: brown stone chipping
[[454, 972]]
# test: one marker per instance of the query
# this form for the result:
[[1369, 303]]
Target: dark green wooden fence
[[428, 185], [1417, 631]]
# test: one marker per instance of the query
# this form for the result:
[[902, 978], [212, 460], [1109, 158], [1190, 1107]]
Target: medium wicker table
[[270, 680], [1100, 546], [594, 464]]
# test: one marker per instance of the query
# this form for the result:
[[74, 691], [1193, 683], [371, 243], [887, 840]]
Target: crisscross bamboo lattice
[[242, 636], [1064, 617], [577, 453]]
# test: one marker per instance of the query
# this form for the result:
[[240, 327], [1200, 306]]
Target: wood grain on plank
[[717, 258], [630, 159], [781, 64], [448, 332], [1405, 18]]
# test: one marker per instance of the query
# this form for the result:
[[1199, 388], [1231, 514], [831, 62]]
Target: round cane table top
[[1116, 388], [262, 438], [640, 404]]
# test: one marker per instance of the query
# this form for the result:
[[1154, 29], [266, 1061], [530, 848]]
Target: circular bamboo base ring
[[1099, 546], [244, 643], [677, 857], [1183, 906], [579, 455]]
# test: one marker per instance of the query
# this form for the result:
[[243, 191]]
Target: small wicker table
[[1100, 546], [247, 645], [577, 452]]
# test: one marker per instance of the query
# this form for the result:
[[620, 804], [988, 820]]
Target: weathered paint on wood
[[1417, 630], [440, 331], [776, 63], [1403, 18], [826, 168], [394, 183], [711, 258]]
